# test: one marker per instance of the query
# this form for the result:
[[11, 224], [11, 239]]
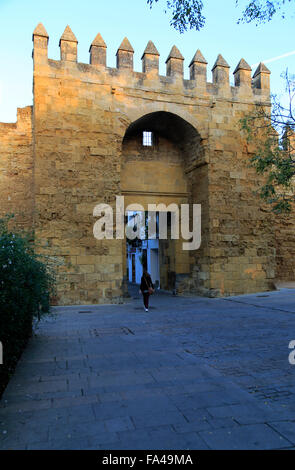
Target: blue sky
[[132, 18]]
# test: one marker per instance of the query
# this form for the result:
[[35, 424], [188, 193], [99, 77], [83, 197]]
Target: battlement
[[23, 120], [256, 87]]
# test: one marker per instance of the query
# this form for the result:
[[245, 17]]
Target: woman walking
[[146, 288]]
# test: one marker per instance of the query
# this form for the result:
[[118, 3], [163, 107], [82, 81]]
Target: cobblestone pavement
[[192, 373]]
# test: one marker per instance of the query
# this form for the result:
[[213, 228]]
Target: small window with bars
[[147, 139]]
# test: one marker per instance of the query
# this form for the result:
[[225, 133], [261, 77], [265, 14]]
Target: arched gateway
[[95, 133], [159, 154]]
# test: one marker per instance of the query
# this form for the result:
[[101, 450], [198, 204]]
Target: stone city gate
[[80, 144], [159, 174]]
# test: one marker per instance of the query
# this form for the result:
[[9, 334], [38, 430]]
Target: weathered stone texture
[[16, 168], [88, 122], [285, 247]]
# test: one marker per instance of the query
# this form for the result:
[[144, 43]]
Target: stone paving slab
[[250, 437], [193, 373]]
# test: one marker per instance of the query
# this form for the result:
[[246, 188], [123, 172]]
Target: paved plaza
[[192, 373]]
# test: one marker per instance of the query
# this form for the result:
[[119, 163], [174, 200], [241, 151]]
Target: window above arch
[[147, 138]]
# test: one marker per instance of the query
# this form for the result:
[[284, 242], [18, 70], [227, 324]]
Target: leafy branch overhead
[[188, 14], [185, 13], [262, 11]]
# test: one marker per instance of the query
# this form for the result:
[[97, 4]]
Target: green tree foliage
[[26, 283], [188, 14], [185, 13], [262, 11], [273, 137]]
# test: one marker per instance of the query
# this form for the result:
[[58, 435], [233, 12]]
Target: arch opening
[[162, 173]]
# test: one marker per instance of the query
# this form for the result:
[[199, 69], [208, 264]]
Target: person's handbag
[[151, 290]]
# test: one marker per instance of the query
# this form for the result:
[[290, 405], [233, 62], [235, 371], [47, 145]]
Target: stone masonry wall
[[81, 114], [285, 246], [16, 169]]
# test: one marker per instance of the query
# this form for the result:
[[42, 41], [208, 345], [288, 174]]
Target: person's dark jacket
[[146, 282]]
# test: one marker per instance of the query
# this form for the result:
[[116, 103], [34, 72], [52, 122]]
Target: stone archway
[[164, 172]]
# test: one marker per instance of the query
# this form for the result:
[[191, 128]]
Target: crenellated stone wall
[[87, 122], [16, 169]]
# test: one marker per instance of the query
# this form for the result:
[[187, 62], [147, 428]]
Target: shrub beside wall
[[26, 284]]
